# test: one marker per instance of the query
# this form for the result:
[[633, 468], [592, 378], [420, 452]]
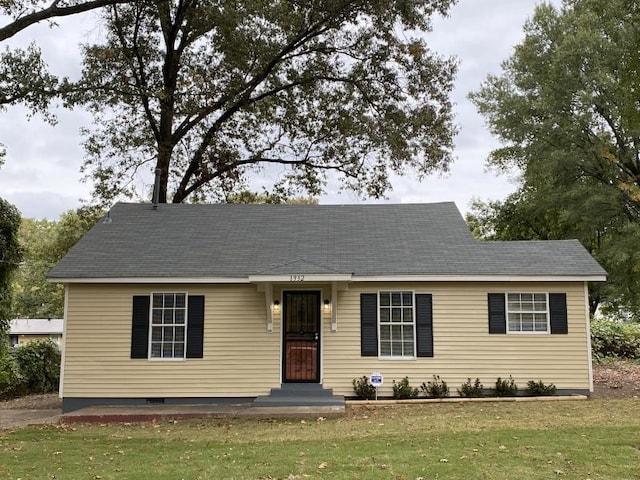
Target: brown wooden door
[[301, 336]]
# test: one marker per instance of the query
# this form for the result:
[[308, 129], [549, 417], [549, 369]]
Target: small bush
[[435, 389], [614, 339], [363, 388], [471, 390], [402, 390], [539, 389], [32, 368], [11, 382], [505, 388]]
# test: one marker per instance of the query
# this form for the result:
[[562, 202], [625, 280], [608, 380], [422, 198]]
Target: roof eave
[[335, 278]]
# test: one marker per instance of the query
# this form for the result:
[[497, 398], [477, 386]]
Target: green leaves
[[566, 109], [570, 92], [213, 93]]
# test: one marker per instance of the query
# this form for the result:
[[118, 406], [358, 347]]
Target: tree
[[44, 243], [569, 94], [10, 256], [565, 108], [23, 73], [549, 210], [210, 92]]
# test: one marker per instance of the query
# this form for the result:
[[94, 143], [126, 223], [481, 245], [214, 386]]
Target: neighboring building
[[206, 303], [25, 330]]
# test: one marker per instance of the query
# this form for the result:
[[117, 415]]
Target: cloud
[[41, 175]]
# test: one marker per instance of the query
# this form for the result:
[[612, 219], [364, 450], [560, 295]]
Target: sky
[[41, 175]]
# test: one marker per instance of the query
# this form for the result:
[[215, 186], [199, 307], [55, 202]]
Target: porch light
[[327, 306], [276, 307]]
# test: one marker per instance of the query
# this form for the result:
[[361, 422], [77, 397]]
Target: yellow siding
[[462, 345], [241, 359]]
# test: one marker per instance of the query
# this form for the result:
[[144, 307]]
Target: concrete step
[[301, 390], [299, 394]]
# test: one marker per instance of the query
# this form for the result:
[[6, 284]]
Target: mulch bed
[[615, 380]]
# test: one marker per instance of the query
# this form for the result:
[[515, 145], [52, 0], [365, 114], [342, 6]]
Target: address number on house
[[296, 278]]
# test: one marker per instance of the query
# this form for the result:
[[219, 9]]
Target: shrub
[[472, 390], [11, 384], [613, 339], [539, 389], [363, 388], [32, 368], [505, 388], [435, 389], [402, 389]]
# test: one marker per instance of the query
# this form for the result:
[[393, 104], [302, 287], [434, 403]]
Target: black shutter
[[558, 313], [497, 314], [195, 326], [140, 327], [369, 324], [424, 325]]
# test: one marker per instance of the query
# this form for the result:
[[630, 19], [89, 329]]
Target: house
[[209, 303], [25, 330]]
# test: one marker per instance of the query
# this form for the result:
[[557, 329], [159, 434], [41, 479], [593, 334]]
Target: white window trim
[[186, 325], [519, 332], [393, 358]]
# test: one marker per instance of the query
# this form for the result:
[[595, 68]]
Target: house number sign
[[296, 278]]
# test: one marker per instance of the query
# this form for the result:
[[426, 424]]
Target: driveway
[[22, 418]]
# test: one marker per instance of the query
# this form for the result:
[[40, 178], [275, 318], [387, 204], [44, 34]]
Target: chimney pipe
[[156, 190]]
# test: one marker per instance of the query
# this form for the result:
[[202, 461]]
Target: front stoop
[[300, 395]]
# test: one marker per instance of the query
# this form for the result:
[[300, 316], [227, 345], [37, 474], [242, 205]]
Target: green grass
[[574, 440]]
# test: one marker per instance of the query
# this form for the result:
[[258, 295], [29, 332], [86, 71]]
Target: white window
[[527, 312], [168, 325], [396, 324]]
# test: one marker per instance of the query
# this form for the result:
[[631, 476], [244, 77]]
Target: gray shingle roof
[[236, 241]]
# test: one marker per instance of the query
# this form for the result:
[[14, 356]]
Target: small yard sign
[[376, 380]]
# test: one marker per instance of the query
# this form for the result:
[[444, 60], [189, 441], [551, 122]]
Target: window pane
[[179, 334], [385, 349], [179, 316], [407, 298], [157, 301], [540, 306], [384, 314], [513, 297], [540, 297], [385, 298], [178, 350], [156, 334], [157, 316], [167, 350], [168, 316], [180, 300], [527, 306], [526, 297], [396, 299], [385, 333], [168, 334], [407, 334], [396, 315], [396, 332], [168, 300], [514, 322], [407, 315], [396, 348], [156, 350], [407, 349]]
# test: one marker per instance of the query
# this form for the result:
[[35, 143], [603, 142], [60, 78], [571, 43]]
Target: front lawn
[[597, 439]]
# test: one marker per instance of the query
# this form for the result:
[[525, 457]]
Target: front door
[[301, 336]]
